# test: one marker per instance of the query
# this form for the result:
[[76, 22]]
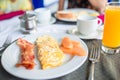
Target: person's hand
[[99, 5], [61, 5]]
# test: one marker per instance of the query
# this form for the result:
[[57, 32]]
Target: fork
[[94, 57], [7, 43]]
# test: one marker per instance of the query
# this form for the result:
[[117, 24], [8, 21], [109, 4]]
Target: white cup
[[43, 15], [88, 24]]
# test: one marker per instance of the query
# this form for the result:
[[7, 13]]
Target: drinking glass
[[111, 33]]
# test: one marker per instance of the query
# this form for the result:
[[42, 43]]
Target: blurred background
[[13, 5]]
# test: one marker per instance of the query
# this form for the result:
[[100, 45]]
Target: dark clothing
[[79, 4]]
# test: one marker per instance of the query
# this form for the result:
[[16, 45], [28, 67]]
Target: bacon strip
[[27, 54]]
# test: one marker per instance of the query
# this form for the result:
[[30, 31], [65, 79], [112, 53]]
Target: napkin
[[11, 14], [7, 27]]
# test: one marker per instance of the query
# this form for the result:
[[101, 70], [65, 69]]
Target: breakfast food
[[49, 53], [27, 54], [72, 47], [65, 14], [72, 15]]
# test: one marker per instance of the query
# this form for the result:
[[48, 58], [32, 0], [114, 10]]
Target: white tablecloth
[[10, 29]]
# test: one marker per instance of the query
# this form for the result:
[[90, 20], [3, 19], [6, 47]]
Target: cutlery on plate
[[7, 43], [94, 57]]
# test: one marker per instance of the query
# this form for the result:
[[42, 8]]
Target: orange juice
[[111, 34]]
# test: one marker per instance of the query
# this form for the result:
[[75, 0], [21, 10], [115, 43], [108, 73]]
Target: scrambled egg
[[49, 53]]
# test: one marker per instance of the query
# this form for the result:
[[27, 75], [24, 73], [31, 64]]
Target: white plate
[[71, 63], [52, 20], [78, 10], [95, 35]]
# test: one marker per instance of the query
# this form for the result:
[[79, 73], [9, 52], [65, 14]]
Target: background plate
[[82, 11]]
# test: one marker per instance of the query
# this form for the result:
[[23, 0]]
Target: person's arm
[[99, 5], [61, 5]]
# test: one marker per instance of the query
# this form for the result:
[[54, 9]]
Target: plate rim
[[75, 58]]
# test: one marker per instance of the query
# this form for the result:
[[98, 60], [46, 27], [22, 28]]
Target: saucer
[[52, 20], [95, 35]]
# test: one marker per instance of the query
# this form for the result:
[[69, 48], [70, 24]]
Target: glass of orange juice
[[111, 33]]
